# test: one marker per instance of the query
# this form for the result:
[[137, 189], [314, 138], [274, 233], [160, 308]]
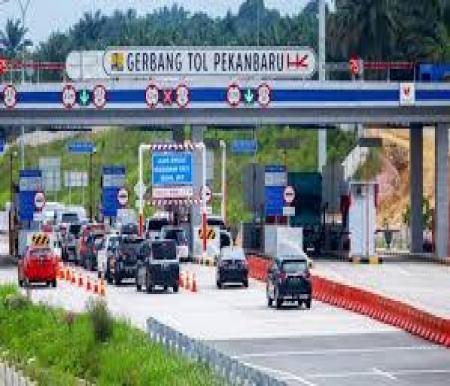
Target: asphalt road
[[322, 346]]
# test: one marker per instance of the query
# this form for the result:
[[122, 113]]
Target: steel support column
[[416, 187], [441, 190]]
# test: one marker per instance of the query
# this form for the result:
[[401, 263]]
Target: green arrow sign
[[248, 96], [84, 97]]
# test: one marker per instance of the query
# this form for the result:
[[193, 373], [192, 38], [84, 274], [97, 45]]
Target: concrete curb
[[396, 313]]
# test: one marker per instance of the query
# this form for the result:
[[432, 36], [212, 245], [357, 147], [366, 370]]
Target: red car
[[39, 265]]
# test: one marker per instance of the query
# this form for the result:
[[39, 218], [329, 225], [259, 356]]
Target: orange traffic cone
[[73, 278], [88, 285], [96, 288], [181, 280], [61, 275], [194, 283], [102, 288], [80, 280], [67, 274], [188, 281]]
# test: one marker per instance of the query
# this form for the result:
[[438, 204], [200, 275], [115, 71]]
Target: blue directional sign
[[275, 177], [2, 145], [172, 168], [244, 146], [113, 178], [30, 182], [81, 147]]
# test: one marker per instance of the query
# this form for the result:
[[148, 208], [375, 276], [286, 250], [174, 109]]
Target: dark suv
[[289, 279], [123, 261], [159, 266]]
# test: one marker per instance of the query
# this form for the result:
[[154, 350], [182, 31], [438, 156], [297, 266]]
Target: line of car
[[152, 261]]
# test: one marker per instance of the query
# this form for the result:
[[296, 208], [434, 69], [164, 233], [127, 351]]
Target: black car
[[232, 267], [69, 243], [289, 279], [159, 266], [88, 256], [123, 261]]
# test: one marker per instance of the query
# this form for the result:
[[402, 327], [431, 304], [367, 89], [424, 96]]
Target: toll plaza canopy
[[205, 101]]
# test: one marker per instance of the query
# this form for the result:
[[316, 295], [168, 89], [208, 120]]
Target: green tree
[[13, 39]]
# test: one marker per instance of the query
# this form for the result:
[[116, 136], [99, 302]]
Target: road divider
[[396, 313]]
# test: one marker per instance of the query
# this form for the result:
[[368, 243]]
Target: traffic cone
[[96, 288], [88, 285], [61, 272], [194, 283], [68, 274], [181, 280], [80, 280], [188, 281], [73, 278], [102, 288]]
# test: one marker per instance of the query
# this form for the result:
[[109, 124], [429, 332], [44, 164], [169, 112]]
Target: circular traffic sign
[[207, 193], [152, 96], [183, 96], [264, 95], [69, 96], [9, 96], [99, 96], [39, 200], [122, 196], [289, 194], [234, 95]]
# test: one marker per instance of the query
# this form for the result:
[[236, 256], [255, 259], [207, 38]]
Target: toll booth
[[362, 218]]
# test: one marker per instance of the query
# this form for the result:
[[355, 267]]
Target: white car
[[108, 246]]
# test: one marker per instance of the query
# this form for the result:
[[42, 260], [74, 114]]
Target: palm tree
[[13, 39], [363, 27]]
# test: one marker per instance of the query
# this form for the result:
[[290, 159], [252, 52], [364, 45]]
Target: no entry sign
[[39, 200], [289, 194]]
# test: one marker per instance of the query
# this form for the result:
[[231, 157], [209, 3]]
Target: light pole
[[322, 135], [12, 206]]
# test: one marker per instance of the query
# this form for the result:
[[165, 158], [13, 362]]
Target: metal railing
[[10, 376], [228, 368]]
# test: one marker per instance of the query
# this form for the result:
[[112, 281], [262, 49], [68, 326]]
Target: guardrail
[[227, 367], [9, 376]]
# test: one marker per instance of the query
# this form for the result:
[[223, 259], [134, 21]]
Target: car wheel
[[99, 275], [175, 288], [219, 284], [148, 285], [165, 288], [308, 304], [20, 283], [108, 277], [269, 302], [245, 283], [138, 285], [54, 283], [117, 279], [278, 301]]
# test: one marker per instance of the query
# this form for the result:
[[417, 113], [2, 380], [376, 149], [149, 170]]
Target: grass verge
[[56, 348]]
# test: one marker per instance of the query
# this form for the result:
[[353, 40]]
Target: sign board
[[30, 182], [244, 146], [289, 211], [122, 196], [407, 94], [113, 179], [140, 189], [172, 168], [51, 173], [289, 194], [81, 147], [39, 200], [294, 62], [175, 192], [74, 179], [275, 178], [2, 146]]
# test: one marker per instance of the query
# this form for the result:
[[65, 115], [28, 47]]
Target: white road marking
[[336, 351], [391, 374], [384, 374], [284, 375]]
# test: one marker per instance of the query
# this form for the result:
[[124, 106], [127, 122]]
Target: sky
[[46, 16]]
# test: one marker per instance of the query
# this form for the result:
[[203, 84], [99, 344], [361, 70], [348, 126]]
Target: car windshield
[[74, 229], [156, 225], [69, 218], [40, 252], [233, 254], [98, 241], [164, 250], [131, 243], [175, 234], [294, 266]]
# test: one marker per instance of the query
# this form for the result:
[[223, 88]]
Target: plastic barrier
[[381, 308]]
